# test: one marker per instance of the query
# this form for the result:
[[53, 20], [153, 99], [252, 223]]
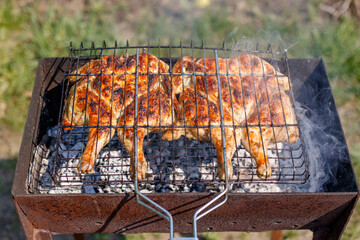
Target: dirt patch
[[9, 143], [10, 227]]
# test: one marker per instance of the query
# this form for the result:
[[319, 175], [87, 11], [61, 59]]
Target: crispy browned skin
[[263, 129], [100, 101], [90, 103], [197, 110], [241, 78], [154, 115], [155, 111], [247, 82]]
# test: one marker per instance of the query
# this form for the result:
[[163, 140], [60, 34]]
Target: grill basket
[[184, 164]]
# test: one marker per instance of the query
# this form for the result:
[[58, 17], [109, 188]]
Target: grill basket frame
[[288, 162]]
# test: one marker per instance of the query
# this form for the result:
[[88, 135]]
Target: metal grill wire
[[177, 162]]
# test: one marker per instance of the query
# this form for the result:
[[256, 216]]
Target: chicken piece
[[199, 111], [91, 68], [101, 131], [90, 103], [154, 114], [240, 77], [156, 108], [274, 122], [244, 80], [102, 92], [244, 65]]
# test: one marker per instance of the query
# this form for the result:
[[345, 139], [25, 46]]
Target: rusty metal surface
[[49, 75], [322, 212], [312, 89], [122, 214]]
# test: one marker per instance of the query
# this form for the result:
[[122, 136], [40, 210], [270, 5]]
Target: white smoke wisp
[[322, 143]]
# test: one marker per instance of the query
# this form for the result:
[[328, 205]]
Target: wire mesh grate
[[185, 163]]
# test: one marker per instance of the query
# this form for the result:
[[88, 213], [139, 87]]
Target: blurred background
[[31, 30]]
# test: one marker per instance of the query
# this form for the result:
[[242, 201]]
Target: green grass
[[34, 30], [28, 34], [339, 46]]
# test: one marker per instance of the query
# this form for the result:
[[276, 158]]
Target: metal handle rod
[[168, 217], [156, 208], [167, 214], [209, 203], [197, 214]]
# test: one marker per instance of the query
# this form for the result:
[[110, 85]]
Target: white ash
[[178, 166]]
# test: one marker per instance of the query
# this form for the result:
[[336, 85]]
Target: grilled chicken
[[103, 95], [274, 122], [154, 115], [90, 102], [254, 105], [155, 109], [198, 110], [247, 83]]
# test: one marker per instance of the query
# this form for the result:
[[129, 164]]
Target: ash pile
[[182, 165]]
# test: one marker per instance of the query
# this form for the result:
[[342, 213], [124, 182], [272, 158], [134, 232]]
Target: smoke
[[261, 40], [322, 136], [324, 146]]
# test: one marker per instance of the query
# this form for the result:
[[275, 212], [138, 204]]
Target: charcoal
[[174, 166]]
